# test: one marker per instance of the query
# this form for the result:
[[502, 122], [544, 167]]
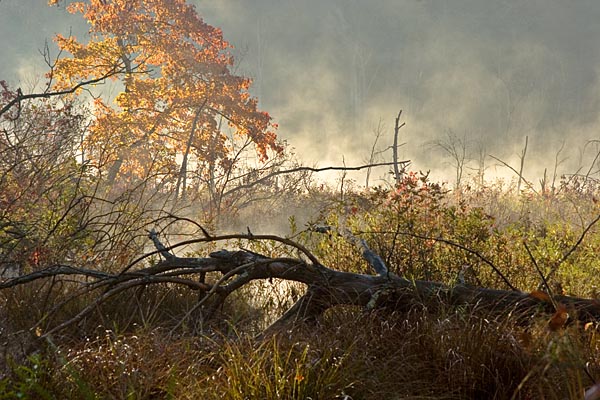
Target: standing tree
[[179, 99]]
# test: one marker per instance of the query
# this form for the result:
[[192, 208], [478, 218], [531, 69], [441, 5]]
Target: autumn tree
[[180, 103]]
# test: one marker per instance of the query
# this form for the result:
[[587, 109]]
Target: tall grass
[[127, 349], [442, 354]]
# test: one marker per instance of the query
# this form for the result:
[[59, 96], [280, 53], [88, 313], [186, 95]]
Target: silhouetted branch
[[520, 175], [326, 287], [462, 247], [573, 248], [20, 96], [310, 169]]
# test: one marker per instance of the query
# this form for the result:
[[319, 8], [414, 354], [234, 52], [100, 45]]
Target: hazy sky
[[488, 72]]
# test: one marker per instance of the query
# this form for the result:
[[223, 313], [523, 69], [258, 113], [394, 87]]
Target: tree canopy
[[179, 97]]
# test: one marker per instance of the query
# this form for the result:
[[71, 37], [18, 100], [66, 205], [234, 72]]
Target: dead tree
[[326, 287], [398, 173]]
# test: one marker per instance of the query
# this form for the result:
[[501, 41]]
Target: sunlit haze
[[485, 74]]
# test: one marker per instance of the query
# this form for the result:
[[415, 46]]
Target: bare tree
[[455, 148], [522, 164], [398, 173], [374, 152], [481, 167]]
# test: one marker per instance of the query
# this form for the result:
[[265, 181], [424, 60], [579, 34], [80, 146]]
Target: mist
[[329, 72], [489, 73]]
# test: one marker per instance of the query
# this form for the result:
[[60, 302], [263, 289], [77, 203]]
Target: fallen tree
[[326, 287]]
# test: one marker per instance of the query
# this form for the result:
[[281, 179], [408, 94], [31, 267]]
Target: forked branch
[[326, 287]]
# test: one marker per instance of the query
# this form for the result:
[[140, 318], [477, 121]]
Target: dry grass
[[126, 350], [448, 354]]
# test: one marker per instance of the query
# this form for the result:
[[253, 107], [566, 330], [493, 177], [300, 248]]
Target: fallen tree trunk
[[326, 287]]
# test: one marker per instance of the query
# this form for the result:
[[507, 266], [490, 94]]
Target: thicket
[[134, 346]]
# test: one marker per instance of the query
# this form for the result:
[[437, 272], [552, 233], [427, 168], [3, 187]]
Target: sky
[[483, 74]]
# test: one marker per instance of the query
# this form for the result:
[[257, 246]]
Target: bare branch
[[522, 164], [20, 96], [573, 248], [462, 247], [248, 236], [153, 235], [529, 185], [299, 169]]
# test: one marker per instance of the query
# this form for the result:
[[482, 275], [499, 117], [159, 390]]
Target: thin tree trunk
[[522, 165], [397, 126], [182, 177]]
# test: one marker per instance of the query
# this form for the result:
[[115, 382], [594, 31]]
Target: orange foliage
[[539, 295], [559, 319], [177, 84]]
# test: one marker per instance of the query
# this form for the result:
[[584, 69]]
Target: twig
[[572, 249], [460, 246], [539, 271], [516, 172], [191, 221], [522, 165]]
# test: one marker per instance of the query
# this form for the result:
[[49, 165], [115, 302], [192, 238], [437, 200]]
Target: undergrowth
[[133, 347], [448, 354]]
